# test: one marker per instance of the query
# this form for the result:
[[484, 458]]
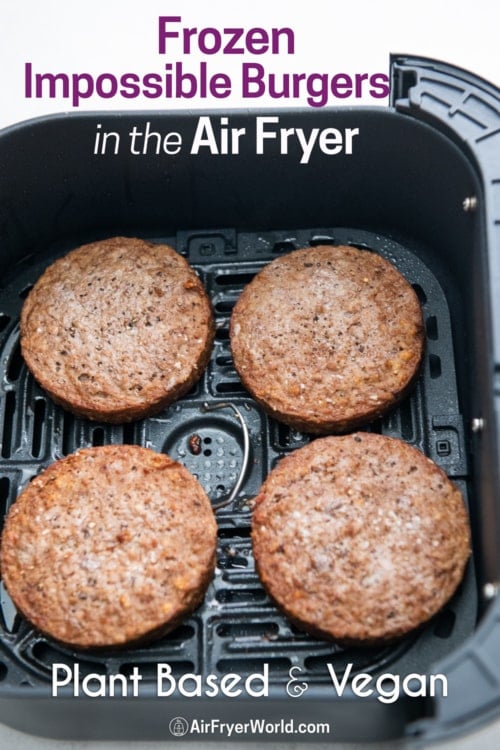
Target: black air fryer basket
[[422, 188]]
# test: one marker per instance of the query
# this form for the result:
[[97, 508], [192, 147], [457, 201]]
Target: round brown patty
[[109, 546], [359, 538], [116, 330], [328, 338]]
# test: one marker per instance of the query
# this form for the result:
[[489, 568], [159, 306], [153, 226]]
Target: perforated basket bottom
[[237, 629]]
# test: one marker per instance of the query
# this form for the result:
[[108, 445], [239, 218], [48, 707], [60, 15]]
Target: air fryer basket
[[422, 189]]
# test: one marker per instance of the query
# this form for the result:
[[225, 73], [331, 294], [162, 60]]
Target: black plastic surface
[[237, 629], [467, 110]]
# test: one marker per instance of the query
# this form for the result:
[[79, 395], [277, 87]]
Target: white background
[[348, 36], [118, 36]]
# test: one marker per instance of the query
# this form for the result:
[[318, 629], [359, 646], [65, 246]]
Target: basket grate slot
[[8, 423], [38, 439], [287, 438], [420, 293], [230, 386], [233, 561], [224, 306], [15, 365], [406, 415], [224, 360], [129, 437], [231, 630], [4, 491], [235, 280], [222, 334], [235, 596], [45, 654], [67, 433], [435, 366], [431, 325], [98, 436], [324, 239]]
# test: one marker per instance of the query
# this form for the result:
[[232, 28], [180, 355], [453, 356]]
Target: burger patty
[[359, 538], [118, 329], [328, 338], [109, 546]]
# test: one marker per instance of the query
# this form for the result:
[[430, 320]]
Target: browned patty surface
[[328, 338], [117, 329], [359, 538], [109, 546]]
